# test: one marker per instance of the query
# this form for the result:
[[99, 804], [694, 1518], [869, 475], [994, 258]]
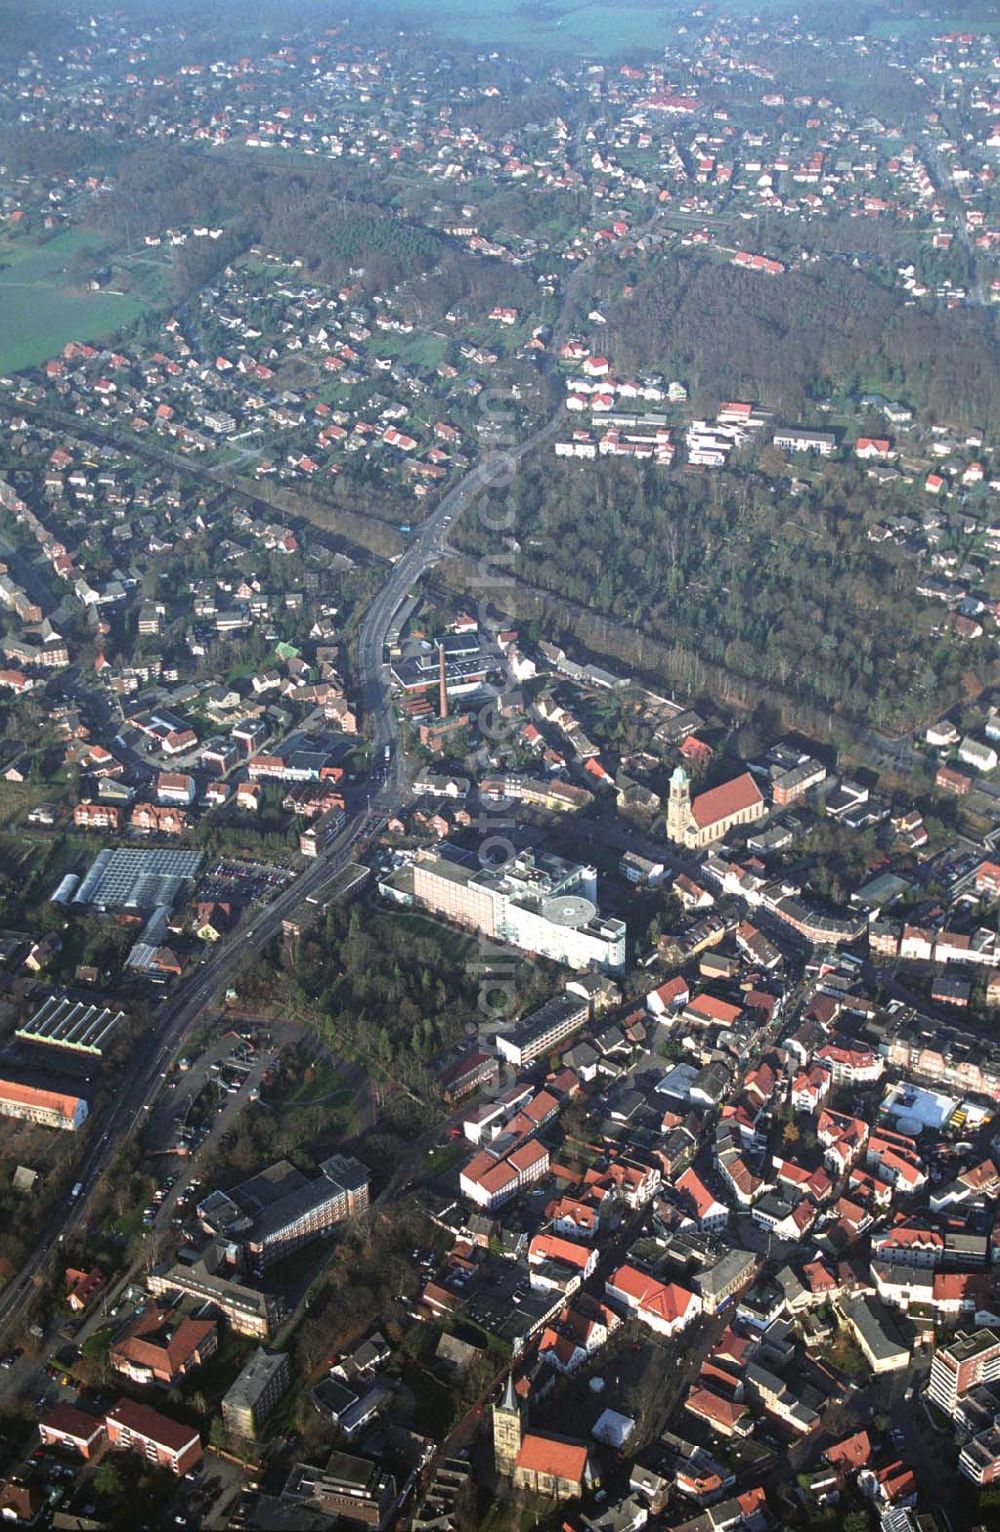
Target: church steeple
[[507, 1429], [678, 805]]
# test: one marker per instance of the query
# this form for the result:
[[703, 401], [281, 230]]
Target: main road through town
[[127, 1113]]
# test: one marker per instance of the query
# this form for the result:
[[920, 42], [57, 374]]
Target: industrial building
[[136, 878], [457, 666], [61, 1022]]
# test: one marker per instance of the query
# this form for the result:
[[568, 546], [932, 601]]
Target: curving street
[[193, 993]]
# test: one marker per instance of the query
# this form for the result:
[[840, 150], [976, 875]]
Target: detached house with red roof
[[669, 997], [873, 449], [582, 1328], [851, 1453], [82, 1287]]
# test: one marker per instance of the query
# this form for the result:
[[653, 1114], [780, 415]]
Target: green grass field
[[911, 27], [420, 349], [591, 27], [43, 303]]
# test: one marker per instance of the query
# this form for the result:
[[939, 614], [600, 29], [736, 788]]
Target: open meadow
[[45, 302]]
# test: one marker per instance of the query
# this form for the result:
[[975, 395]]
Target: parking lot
[[241, 882]]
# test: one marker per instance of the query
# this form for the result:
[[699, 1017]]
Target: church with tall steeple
[[508, 1428], [546, 1465], [700, 822], [679, 806]]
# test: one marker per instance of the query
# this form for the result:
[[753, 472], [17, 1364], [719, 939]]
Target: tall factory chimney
[[442, 685]]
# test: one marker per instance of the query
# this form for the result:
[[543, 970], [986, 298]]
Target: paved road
[[127, 1113], [126, 1116]]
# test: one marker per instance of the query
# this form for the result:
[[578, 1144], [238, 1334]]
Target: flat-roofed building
[[798, 439], [280, 1209], [535, 901], [544, 1029], [965, 1362], [979, 1459], [255, 1393], [353, 1489]]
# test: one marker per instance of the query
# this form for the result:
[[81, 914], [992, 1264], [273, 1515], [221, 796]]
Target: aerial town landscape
[[500, 766]]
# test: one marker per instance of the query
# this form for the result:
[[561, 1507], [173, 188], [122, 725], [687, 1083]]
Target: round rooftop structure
[[569, 910]]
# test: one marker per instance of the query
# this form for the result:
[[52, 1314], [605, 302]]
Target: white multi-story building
[[536, 901]]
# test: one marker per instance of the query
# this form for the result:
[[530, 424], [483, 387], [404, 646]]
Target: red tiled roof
[[551, 1247], [699, 1193], [668, 1300], [143, 1421], [853, 1451], [544, 1454], [71, 1422], [715, 1009], [27, 1095], [725, 1412], [724, 801]]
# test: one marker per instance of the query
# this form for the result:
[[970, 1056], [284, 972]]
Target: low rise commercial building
[[351, 1488]]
